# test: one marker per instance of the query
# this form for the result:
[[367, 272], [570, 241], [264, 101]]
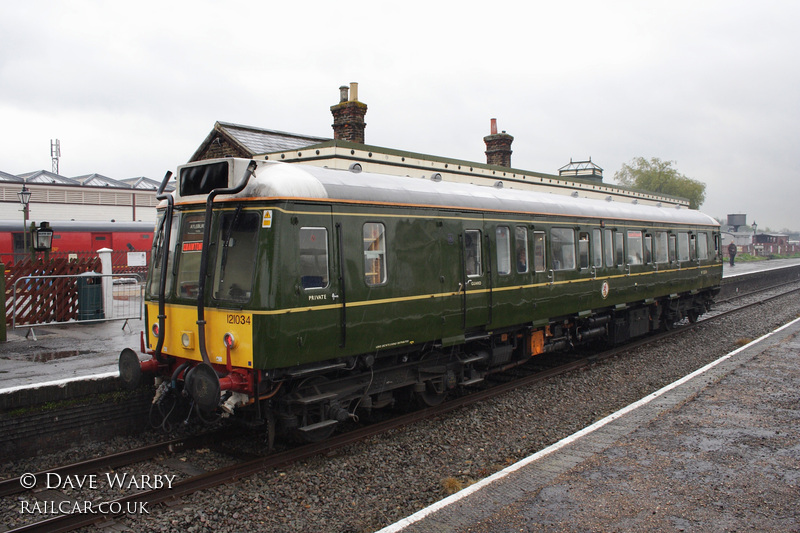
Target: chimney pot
[[494, 126], [342, 94], [354, 91]]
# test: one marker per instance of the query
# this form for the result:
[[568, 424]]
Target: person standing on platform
[[732, 251]]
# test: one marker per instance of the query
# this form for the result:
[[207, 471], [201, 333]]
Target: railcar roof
[[283, 180]]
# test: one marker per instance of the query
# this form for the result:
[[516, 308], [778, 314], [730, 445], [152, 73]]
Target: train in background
[[74, 237], [298, 296]]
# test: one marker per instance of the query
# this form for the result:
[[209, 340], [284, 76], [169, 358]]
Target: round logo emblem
[[604, 290]]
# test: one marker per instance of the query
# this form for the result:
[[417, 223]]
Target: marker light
[[229, 340]]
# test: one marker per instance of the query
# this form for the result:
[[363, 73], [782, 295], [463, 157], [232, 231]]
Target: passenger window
[[661, 247], [702, 246], [597, 248], [648, 248], [635, 248], [562, 246], [619, 248], [672, 248], [502, 234], [472, 252], [583, 250], [538, 251], [313, 248], [521, 244], [692, 247], [683, 246], [374, 253], [609, 248]]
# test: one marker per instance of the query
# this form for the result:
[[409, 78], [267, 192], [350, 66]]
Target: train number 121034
[[239, 319]]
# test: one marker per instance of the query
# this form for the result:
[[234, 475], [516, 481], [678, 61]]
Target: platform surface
[[715, 451]]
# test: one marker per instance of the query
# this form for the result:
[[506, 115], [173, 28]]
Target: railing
[[87, 297]]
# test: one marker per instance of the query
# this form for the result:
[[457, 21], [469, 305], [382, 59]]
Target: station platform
[[697, 455], [750, 267]]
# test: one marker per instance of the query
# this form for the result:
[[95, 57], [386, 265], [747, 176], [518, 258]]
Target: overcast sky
[[133, 88]]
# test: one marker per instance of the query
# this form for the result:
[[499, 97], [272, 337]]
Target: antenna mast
[[55, 153]]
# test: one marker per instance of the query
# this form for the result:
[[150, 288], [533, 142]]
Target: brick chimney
[[498, 147], [348, 116]]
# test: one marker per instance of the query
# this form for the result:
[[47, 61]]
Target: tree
[[657, 176]]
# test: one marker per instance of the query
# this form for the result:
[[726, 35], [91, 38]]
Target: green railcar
[[299, 295]]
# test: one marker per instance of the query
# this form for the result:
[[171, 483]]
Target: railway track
[[247, 467]]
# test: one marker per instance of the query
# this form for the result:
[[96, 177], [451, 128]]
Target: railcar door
[[312, 321], [466, 273]]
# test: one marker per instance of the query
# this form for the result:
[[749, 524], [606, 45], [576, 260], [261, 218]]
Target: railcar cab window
[[191, 252], [374, 253], [521, 244], [538, 251], [635, 253], [313, 248], [562, 247], [158, 253], [472, 253], [683, 247], [237, 243], [503, 237]]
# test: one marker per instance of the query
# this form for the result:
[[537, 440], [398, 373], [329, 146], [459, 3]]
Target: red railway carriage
[[79, 237]]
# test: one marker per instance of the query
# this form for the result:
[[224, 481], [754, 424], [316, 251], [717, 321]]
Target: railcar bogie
[[330, 294]]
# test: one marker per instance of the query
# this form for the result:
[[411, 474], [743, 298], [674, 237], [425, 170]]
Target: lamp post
[[755, 230], [24, 199]]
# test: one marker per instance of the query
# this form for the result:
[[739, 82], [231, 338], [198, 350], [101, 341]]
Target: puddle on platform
[[43, 357]]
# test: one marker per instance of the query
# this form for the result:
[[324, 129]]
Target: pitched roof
[[5, 176], [46, 177], [146, 183], [98, 180], [253, 141]]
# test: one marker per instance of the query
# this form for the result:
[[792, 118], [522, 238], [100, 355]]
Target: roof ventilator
[[355, 168]]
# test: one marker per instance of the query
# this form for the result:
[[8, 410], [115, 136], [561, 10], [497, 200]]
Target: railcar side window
[[472, 252], [683, 246], [190, 253], [609, 248], [661, 247], [313, 248], [635, 254], [502, 234], [702, 246], [692, 247], [648, 248], [538, 251], [521, 247], [374, 253], [619, 248], [236, 255], [597, 248], [583, 249], [562, 247], [672, 248]]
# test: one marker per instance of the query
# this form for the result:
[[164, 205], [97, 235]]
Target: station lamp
[[24, 199], [43, 237]]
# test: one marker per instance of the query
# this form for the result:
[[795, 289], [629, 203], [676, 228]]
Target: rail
[[76, 298]]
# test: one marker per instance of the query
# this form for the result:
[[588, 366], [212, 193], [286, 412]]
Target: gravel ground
[[369, 485]]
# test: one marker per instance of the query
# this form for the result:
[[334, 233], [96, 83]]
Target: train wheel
[[431, 397], [692, 315]]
